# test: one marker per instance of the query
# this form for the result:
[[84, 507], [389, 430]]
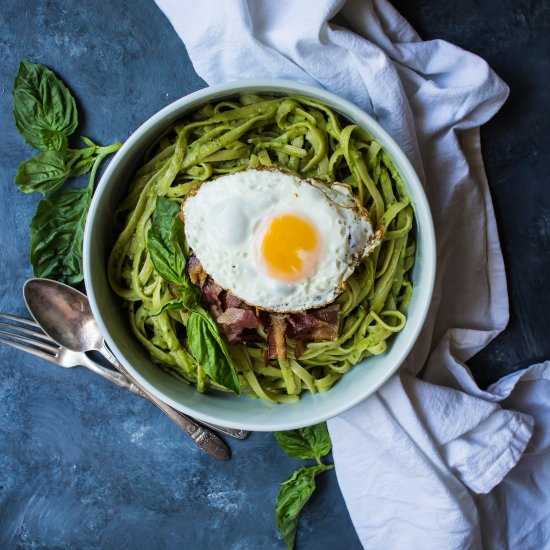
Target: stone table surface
[[86, 465]]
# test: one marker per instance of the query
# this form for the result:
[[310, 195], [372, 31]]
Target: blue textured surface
[[86, 465]]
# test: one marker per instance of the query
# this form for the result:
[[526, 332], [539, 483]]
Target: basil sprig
[[312, 442], [165, 246], [45, 114], [49, 170]]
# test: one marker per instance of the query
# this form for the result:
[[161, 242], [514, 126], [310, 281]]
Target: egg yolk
[[290, 248]]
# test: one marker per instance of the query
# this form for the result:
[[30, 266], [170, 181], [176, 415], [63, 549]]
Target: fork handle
[[115, 377]]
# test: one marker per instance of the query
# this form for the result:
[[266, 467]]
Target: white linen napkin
[[421, 463]]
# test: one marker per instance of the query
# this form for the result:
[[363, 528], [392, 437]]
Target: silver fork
[[36, 342]]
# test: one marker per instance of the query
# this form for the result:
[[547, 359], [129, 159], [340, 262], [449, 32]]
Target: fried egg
[[276, 241]]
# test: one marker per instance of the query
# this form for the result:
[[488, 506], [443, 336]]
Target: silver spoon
[[65, 315]]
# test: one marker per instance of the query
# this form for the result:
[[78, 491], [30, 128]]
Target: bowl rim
[[420, 205]]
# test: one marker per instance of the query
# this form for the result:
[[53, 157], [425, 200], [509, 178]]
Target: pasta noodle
[[308, 139]]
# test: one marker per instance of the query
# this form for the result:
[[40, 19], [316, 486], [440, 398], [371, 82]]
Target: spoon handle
[[203, 438]]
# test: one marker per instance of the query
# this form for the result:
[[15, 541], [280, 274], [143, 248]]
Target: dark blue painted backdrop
[[85, 465]]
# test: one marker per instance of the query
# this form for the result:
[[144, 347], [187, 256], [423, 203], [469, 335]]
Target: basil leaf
[[293, 496], [52, 141], [310, 442], [44, 109], [82, 161], [188, 300], [57, 230], [209, 349], [163, 242], [43, 173]]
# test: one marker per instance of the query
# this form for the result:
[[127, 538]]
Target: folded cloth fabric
[[416, 462], [424, 463]]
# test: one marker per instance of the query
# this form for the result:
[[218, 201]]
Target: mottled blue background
[[86, 465]]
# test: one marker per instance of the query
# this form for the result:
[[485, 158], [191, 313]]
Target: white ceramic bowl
[[215, 407]]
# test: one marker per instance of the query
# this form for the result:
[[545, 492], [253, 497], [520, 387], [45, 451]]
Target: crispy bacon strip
[[212, 294], [231, 301], [329, 314], [234, 322], [316, 325], [325, 332], [276, 342], [244, 317]]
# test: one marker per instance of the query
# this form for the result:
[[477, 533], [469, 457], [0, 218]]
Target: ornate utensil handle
[[232, 432]]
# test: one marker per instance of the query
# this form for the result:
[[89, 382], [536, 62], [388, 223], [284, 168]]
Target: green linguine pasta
[[300, 136]]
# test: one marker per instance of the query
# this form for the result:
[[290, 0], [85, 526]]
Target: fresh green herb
[[209, 349], [47, 171], [293, 496], [188, 299], [205, 341], [45, 115], [312, 442], [43, 173], [44, 109], [81, 161], [56, 235], [164, 242], [57, 231]]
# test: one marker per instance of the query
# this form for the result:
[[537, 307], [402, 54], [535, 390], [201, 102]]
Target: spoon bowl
[[64, 314]]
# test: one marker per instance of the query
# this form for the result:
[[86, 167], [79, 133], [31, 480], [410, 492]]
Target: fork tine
[[33, 342], [29, 349], [35, 333], [18, 319]]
